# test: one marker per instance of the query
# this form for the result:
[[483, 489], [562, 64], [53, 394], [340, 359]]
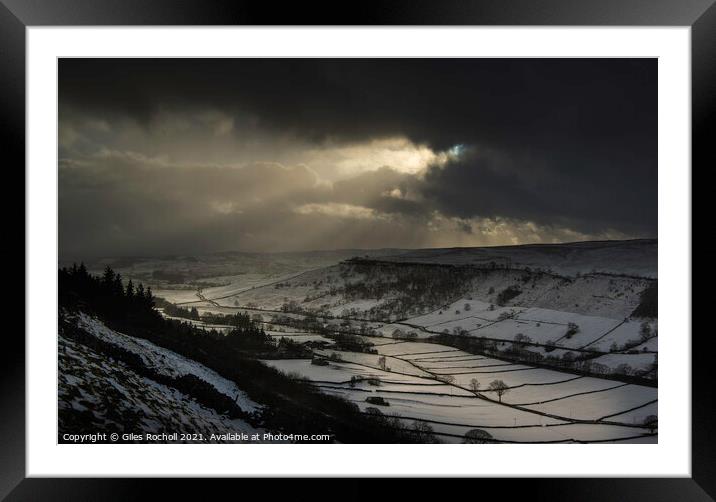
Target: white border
[[671, 457]]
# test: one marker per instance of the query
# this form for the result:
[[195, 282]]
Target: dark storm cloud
[[594, 198], [561, 142], [500, 102]]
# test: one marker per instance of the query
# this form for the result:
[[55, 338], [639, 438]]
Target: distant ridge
[[637, 257]]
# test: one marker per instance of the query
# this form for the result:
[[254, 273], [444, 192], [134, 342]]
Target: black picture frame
[[17, 15]]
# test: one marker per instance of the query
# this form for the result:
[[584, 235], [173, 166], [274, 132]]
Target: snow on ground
[[272, 293], [541, 325], [457, 415], [589, 327], [419, 388], [241, 284], [599, 432], [452, 366], [337, 372], [640, 362], [440, 360], [636, 257], [480, 310], [559, 432], [460, 356], [380, 341], [199, 304], [177, 295], [509, 328], [599, 404], [651, 345], [596, 295], [409, 350], [453, 409], [372, 360], [359, 305], [513, 378], [388, 330], [490, 369], [116, 398], [530, 394], [494, 369], [625, 332], [415, 397], [165, 361], [636, 416], [598, 304], [545, 326], [555, 433]]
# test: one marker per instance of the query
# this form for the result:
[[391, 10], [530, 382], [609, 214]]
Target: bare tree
[[474, 385], [448, 379], [499, 387]]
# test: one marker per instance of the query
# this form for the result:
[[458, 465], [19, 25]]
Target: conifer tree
[[117, 287], [149, 297], [108, 277]]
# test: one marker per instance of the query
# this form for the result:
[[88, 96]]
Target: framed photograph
[[428, 239]]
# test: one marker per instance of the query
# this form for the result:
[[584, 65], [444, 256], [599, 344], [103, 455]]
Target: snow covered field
[[177, 296], [539, 404], [541, 325], [559, 330], [601, 404], [241, 288]]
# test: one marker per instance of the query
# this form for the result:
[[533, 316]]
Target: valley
[[522, 344]]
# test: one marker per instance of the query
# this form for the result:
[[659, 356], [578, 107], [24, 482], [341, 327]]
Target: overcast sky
[[181, 156]]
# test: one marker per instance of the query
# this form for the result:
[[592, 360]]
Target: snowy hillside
[[635, 257], [553, 317], [106, 392]]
